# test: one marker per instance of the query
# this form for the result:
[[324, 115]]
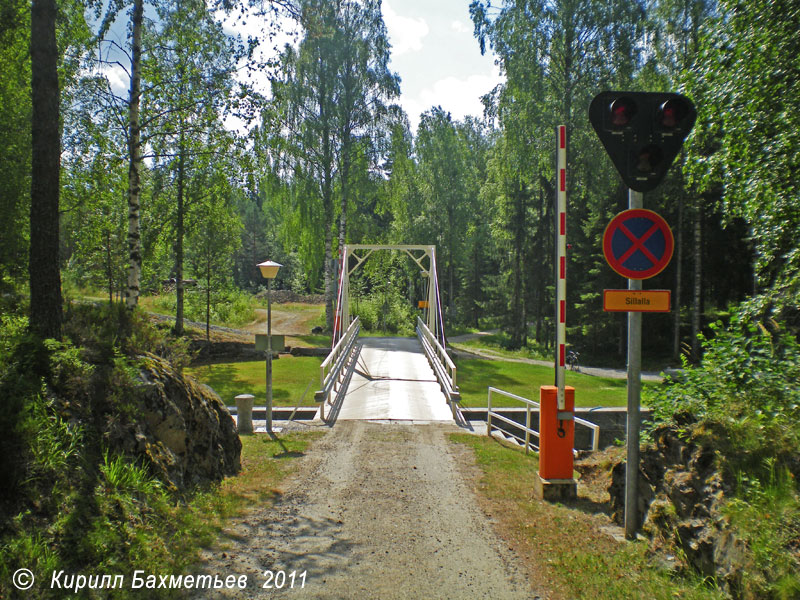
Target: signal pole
[[634, 397], [642, 133]]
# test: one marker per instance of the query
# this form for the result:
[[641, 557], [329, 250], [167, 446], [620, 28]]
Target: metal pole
[[634, 396], [269, 356]]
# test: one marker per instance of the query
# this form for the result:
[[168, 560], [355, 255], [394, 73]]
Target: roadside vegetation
[[564, 551], [71, 501], [744, 400]]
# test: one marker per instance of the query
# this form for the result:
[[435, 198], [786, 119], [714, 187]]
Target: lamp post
[[269, 270]]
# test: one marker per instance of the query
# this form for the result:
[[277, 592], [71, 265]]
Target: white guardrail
[[529, 404], [441, 363], [332, 367]]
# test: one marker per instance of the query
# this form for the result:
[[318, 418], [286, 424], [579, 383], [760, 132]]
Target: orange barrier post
[[556, 441]]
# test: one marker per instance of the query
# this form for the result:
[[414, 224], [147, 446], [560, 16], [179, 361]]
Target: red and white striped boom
[[561, 261]]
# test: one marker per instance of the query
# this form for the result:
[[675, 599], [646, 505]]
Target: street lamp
[[269, 270]]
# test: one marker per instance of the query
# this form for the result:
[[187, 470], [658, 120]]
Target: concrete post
[[244, 413]]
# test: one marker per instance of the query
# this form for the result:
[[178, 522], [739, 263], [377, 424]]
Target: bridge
[[389, 379]]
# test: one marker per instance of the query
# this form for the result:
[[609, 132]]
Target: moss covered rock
[[182, 427]]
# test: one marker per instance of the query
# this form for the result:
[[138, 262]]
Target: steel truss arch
[[360, 253]]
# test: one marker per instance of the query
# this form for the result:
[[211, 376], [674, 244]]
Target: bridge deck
[[393, 381]]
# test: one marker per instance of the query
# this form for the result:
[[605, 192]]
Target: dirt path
[[375, 511], [594, 371], [284, 322]]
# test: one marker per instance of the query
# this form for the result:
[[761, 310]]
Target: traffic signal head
[[642, 132]]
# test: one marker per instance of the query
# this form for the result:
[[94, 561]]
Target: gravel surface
[[374, 511]]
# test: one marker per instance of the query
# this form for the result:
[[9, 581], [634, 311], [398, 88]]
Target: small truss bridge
[[389, 379]]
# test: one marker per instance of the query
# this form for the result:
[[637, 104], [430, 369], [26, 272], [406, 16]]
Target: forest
[[152, 184], [139, 160]]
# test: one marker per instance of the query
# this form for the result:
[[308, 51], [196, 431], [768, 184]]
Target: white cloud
[[405, 33], [460, 27], [117, 77], [460, 97]]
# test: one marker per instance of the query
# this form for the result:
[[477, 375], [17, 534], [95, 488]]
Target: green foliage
[[386, 312], [55, 444], [767, 517], [106, 332], [230, 307], [748, 143], [749, 378], [744, 400]]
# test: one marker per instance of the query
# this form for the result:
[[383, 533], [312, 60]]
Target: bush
[[385, 312], [748, 374], [745, 397], [67, 500], [229, 307]]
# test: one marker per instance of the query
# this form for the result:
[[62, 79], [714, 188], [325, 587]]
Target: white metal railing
[[427, 336], [526, 441], [529, 404], [332, 367], [443, 366]]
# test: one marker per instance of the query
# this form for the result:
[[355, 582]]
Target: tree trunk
[[45, 276], [328, 280], [109, 269], [179, 233], [345, 181], [697, 308], [135, 158], [208, 300], [676, 327]]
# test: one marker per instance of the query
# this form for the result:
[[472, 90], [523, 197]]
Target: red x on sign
[[638, 244]]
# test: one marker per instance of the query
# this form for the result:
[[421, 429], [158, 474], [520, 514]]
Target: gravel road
[[374, 511]]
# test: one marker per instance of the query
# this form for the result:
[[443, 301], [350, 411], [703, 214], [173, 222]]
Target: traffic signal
[[642, 132]]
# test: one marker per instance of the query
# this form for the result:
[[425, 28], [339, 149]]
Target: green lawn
[[290, 376], [476, 375]]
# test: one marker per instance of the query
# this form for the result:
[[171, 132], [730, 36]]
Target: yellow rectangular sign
[[636, 301], [422, 304]]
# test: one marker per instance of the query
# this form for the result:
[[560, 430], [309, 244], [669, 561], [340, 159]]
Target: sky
[[433, 51], [437, 57]]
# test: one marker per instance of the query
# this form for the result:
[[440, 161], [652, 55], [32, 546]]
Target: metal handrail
[[529, 404], [595, 431], [336, 360], [527, 428], [439, 350]]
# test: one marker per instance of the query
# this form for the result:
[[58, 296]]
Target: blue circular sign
[[638, 244]]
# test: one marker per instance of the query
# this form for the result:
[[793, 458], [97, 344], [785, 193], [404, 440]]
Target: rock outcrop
[[682, 490], [182, 428]]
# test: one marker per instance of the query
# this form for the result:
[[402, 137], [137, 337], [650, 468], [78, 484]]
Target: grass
[[264, 466], [309, 341], [496, 344], [130, 522], [544, 536], [290, 376], [476, 375]]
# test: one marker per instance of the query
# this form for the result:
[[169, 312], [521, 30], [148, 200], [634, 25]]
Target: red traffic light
[[621, 112], [671, 113]]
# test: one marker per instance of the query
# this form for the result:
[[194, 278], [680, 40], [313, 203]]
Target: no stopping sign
[[638, 243]]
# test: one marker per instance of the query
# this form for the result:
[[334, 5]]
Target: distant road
[[594, 371]]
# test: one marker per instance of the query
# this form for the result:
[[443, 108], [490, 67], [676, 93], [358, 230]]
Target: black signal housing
[[642, 132]]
